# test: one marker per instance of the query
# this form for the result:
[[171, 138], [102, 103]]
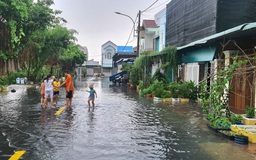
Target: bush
[[250, 112], [183, 90], [191, 90], [11, 77], [159, 89], [234, 118], [159, 76], [174, 88]]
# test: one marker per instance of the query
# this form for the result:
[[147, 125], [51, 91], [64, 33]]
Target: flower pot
[[241, 139], [184, 100], [175, 100], [167, 99], [227, 134], [137, 88], [215, 130], [149, 96], [156, 99]]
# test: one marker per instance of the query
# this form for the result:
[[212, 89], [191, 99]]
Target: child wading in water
[[91, 96]]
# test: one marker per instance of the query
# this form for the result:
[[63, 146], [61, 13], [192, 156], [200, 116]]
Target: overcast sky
[[97, 23]]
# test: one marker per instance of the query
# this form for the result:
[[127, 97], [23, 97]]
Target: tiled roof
[[149, 24]]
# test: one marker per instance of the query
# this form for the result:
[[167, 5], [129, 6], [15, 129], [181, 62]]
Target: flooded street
[[122, 126]]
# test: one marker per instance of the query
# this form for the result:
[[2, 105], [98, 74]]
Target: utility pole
[[138, 36]]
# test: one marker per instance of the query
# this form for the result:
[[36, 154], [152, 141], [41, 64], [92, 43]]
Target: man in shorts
[[69, 92]]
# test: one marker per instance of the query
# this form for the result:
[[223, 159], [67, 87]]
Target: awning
[[202, 54]]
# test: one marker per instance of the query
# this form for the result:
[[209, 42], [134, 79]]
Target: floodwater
[[122, 126]]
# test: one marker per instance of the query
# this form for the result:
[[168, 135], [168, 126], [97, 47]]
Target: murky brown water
[[123, 125]]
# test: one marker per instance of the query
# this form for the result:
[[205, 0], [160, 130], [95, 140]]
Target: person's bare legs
[[52, 103], [67, 102], [56, 99], [45, 103], [92, 102], [42, 101], [70, 102], [89, 103]]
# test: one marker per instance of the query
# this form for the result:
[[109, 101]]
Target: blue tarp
[[126, 49]]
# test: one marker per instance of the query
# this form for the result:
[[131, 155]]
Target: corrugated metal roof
[[249, 26], [242, 27]]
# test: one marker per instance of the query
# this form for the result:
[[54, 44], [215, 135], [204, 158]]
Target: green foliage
[[222, 122], [174, 88], [71, 57], [134, 76], [127, 67], [218, 95], [204, 95], [148, 90], [159, 76], [183, 90], [143, 65], [35, 36], [235, 118], [84, 72], [250, 111], [159, 89], [11, 78]]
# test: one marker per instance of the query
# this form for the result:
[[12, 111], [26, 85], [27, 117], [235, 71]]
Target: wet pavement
[[123, 125]]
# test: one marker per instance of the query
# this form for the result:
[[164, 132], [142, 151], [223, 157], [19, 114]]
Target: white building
[[160, 19], [79, 68], [108, 50], [148, 31]]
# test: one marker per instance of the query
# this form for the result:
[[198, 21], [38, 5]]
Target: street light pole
[[128, 17], [138, 36]]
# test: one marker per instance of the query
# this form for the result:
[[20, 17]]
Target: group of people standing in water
[[50, 88]]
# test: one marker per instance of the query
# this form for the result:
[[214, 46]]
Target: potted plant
[[228, 134], [220, 123], [250, 112], [236, 119]]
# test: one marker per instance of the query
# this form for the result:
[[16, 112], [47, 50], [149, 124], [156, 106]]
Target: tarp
[[126, 49]]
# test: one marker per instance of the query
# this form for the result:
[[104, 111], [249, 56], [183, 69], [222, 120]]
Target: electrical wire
[[132, 30], [160, 5], [150, 6]]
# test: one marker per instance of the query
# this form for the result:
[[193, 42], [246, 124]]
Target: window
[[109, 56]]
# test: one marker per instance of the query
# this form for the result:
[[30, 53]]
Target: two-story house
[[108, 50]]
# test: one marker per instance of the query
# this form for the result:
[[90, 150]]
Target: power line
[[150, 6], [160, 5]]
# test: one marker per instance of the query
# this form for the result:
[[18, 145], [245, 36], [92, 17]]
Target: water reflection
[[122, 125]]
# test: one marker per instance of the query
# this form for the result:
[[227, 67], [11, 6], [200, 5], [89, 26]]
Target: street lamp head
[[117, 13]]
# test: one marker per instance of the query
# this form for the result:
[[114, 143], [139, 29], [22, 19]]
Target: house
[[190, 20], [92, 68], [220, 50], [79, 68], [125, 54], [208, 34], [147, 35], [108, 50], [159, 40]]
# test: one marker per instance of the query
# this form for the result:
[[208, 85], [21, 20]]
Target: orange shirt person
[[69, 92], [42, 87]]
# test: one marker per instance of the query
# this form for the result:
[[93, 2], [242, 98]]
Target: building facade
[[148, 32], [108, 50], [191, 20], [160, 19], [80, 68]]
